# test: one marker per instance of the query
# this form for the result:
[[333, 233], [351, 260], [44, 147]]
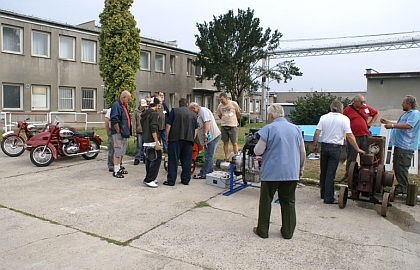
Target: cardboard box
[[218, 179]]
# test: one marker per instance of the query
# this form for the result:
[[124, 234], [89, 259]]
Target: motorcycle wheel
[[93, 145], [41, 156], [13, 145]]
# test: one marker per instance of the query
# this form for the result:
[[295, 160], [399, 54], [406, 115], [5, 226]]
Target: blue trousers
[[139, 147], [179, 150], [209, 151], [330, 157], [162, 139]]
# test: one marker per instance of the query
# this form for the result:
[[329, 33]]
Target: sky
[[169, 20]]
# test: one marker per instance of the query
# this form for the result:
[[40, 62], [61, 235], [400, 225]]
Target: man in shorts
[[229, 111], [120, 130]]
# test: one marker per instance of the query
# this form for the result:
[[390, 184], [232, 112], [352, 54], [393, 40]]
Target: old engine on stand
[[370, 178], [245, 162]]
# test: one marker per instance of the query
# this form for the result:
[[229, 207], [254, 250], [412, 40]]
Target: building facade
[[49, 67]]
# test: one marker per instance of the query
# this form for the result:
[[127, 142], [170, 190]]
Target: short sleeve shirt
[[358, 124], [228, 113], [333, 126], [407, 139]]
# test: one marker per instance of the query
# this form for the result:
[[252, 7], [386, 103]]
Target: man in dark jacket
[[180, 141], [163, 112], [152, 150], [120, 130]]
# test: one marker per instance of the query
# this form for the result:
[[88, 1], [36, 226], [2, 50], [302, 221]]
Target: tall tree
[[119, 43], [231, 49]]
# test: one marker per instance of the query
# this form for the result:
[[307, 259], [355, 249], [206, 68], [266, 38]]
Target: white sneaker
[[155, 181], [151, 184]]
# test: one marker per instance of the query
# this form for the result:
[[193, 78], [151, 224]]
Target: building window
[[159, 62], [88, 99], [198, 100], [251, 106], [145, 60], [40, 44], [257, 106], [12, 39], [198, 71], [88, 51], [172, 63], [189, 67], [245, 107], [66, 99], [40, 97], [208, 103], [12, 97], [67, 48]]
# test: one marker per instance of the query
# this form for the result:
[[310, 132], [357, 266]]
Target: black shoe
[[186, 184], [136, 162], [333, 202], [166, 183], [118, 175], [111, 170]]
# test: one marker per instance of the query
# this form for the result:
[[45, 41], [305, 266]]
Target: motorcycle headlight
[[17, 124]]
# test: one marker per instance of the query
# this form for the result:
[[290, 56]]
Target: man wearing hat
[[137, 131], [152, 150]]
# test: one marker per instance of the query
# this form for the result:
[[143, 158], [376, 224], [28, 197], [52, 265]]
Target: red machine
[[54, 141], [370, 178], [13, 144]]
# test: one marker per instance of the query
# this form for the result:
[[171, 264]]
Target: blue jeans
[[330, 157], [139, 147], [162, 139], [179, 150], [209, 151]]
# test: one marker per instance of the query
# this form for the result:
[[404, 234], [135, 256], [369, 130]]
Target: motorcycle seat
[[85, 134]]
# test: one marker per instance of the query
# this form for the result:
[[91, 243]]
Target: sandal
[[197, 176], [117, 175], [121, 171]]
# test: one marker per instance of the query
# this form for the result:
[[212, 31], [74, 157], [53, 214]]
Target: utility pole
[[263, 92]]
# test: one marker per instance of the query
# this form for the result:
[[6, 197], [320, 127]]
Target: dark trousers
[[286, 193], [152, 163], [362, 142], [179, 150], [402, 163], [330, 157]]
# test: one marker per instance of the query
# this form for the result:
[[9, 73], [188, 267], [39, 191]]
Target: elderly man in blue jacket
[[282, 147], [120, 130]]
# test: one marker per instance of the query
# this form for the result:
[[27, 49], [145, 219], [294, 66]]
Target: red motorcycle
[[47, 145], [13, 144]]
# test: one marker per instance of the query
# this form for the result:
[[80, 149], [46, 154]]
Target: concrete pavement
[[74, 215]]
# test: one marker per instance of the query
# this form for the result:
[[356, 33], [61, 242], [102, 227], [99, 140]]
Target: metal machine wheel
[[389, 179], [13, 145], [353, 173], [41, 156], [392, 194], [380, 175], [93, 146], [384, 207], [342, 197]]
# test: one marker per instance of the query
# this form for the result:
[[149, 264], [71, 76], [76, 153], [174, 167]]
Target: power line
[[315, 39]]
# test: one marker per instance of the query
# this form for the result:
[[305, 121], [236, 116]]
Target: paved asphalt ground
[[74, 215]]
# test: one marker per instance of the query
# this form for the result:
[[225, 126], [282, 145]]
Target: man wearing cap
[[137, 130], [153, 154], [180, 141], [120, 130], [163, 112]]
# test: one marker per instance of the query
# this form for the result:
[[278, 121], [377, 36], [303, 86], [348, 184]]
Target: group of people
[[278, 139], [152, 123]]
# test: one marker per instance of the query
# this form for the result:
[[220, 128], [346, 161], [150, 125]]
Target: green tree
[[231, 50], [310, 108], [119, 43]]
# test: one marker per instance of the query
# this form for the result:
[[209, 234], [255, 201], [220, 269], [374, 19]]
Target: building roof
[[373, 74]]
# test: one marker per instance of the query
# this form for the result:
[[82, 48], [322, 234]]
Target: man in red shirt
[[358, 113]]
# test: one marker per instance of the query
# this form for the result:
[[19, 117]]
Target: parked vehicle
[[13, 144], [46, 146]]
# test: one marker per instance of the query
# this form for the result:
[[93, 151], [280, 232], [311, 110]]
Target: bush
[[243, 120], [310, 108]]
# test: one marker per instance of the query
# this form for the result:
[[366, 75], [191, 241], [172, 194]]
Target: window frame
[[20, 39], [47, 98], [84, 41], [189, 67], [172, 60], [20, 97], [148, 60], [94, 99], [163, 62], [73, 39], [198, 71], [251, 106], [257, 106], [60, 88], [48, 44]]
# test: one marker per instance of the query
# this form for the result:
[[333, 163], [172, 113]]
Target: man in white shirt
[[334, 126]]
